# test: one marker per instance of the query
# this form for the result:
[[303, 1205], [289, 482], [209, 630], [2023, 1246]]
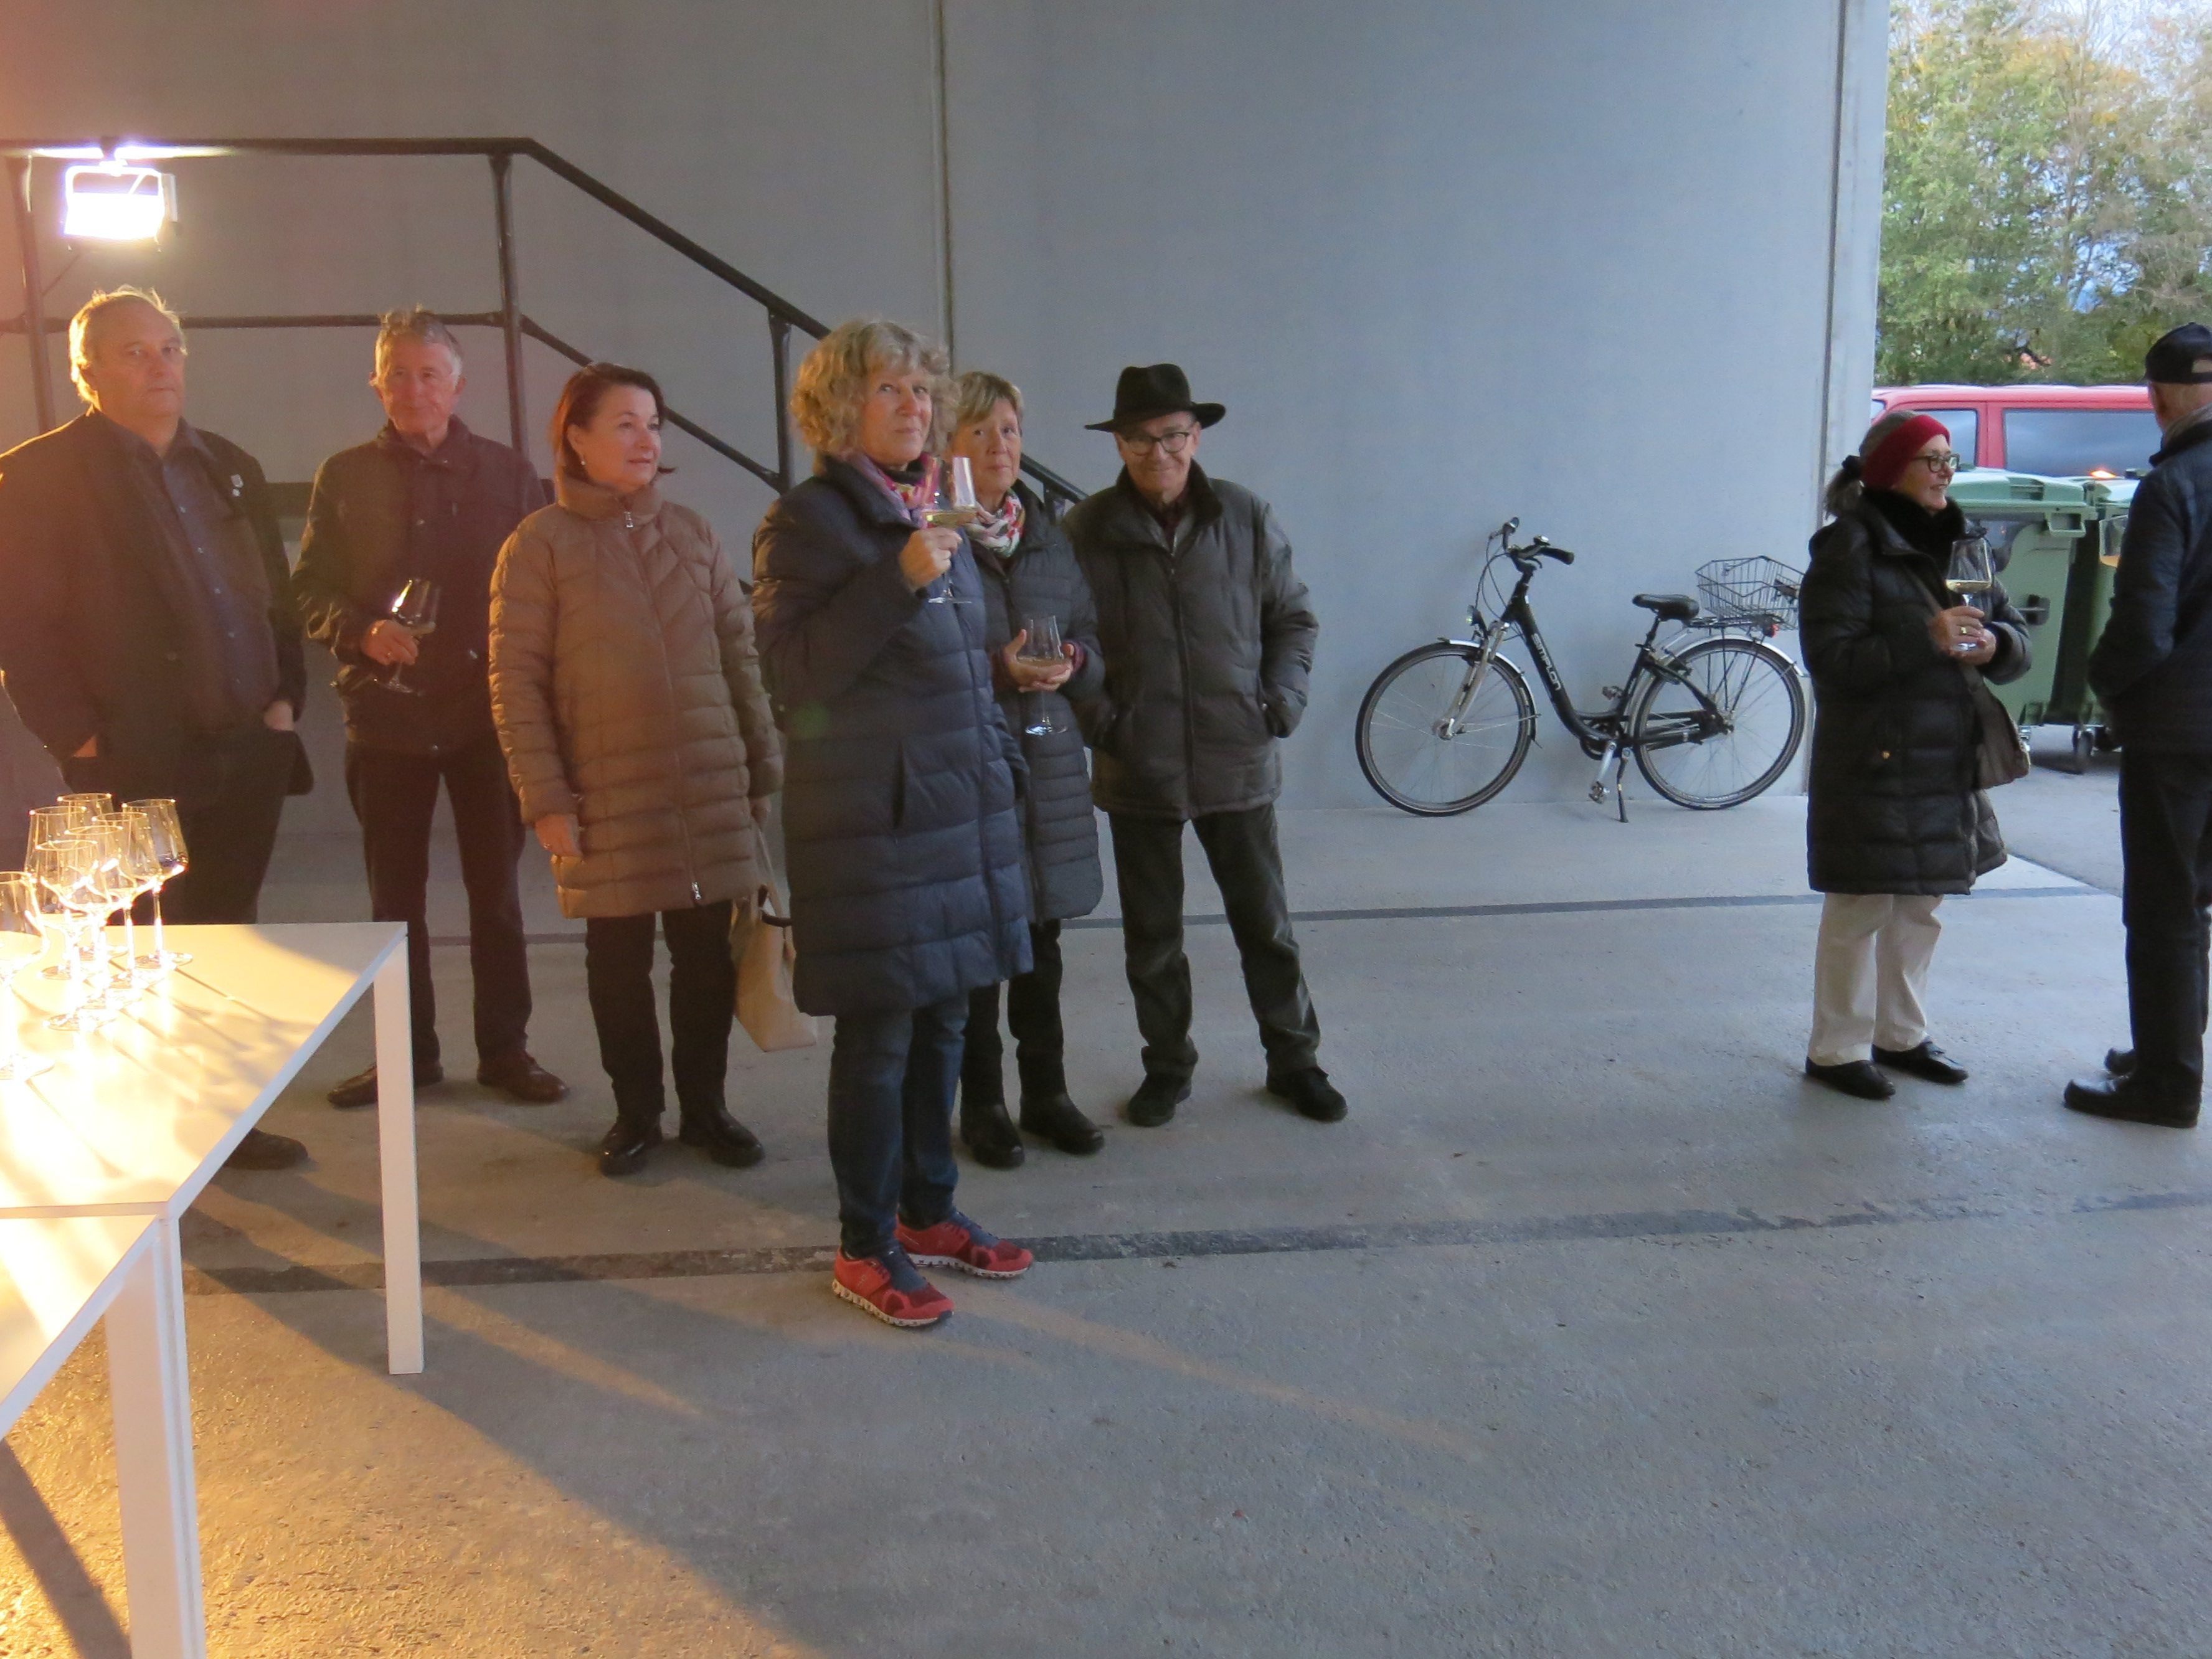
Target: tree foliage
[[2048, 200]]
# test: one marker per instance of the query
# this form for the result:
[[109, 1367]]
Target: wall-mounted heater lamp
[[115, 201]]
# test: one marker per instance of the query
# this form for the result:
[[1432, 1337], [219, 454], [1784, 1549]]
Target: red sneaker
[[956, 1242], [888, 1286]]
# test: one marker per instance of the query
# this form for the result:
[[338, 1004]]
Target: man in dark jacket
[[147, 636], [2153, 670], [1208, 639], [427, 499]]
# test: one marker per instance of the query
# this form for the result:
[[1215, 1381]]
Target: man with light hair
[[148, 636], [2152, 670], [427, 500]]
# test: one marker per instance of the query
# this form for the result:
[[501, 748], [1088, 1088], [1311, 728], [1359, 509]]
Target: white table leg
[[395, 1139], [152, 1389]]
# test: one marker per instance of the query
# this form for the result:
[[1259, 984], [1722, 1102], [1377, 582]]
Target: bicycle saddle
[[1669, 607]]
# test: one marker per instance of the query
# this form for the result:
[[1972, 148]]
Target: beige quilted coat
[[627, 691]]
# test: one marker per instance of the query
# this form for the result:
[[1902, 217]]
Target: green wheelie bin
[[2038, 531]]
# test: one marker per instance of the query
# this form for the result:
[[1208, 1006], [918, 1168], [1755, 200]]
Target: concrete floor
[[1595, 1331]]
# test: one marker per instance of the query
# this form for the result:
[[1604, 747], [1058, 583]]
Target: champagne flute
[[165, 834], [415, 609], [949, 503], [1970, 576], [1042, 649], [22, 936]]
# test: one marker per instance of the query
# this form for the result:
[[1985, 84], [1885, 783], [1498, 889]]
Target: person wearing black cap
[[1208, 639], [2153, 670]]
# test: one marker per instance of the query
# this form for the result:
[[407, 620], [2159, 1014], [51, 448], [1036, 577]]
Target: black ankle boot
[[1055, 1118], [624, 1150], [989, 1133], [721, 1137]]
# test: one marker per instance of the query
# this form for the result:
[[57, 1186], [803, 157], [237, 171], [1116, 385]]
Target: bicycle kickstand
[[1619, 776], [1616, 758]]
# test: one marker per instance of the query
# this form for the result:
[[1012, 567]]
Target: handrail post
[[35, 296], [779, 334], [510, 305]]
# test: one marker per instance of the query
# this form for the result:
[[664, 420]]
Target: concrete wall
[[1444, 262]]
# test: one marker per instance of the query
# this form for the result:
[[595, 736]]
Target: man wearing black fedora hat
[[2153, 670], [1208, 639]]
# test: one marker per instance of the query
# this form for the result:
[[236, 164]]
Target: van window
[[1965, 431], [2065, 443]]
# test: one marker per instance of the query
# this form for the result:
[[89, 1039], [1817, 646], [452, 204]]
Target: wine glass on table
[[87, 806], [415, 609], [54, 822], [1970, 575], [139, 873], [949, 504], [22, 936], [164, 837], [1041, 650], [110, 890], [67, 872]]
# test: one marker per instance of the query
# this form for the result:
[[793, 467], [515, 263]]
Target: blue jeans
[[891, 1082]]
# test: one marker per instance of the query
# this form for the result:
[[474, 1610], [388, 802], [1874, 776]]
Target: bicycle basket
[[1758, 592]]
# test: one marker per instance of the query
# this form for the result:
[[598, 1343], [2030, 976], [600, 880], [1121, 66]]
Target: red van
[[2056, 431]]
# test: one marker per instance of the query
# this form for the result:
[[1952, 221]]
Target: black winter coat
[[88, 629], [899, 811], [1208, 644], [1059, 828], [1893, 805], [2153, 666]]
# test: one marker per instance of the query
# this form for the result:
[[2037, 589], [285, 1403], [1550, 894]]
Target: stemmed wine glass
[[415, 609], [112, 889], [22, 936], [55, 823], [68, 872], [949, 503], [1042, 649], [165, 839], [1970, 576]]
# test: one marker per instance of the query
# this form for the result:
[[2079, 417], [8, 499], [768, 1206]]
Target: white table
[[57, 1275], [101, 1155]]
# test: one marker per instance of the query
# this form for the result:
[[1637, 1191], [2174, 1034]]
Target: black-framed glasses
[[1940, 463], [1174, 442]]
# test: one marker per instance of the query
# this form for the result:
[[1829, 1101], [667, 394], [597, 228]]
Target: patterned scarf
[[911, 497], [999, 532]]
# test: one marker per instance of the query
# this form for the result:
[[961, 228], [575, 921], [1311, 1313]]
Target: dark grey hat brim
[[1207, 414]]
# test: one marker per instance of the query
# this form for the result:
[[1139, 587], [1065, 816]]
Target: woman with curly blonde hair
[[906, 886]]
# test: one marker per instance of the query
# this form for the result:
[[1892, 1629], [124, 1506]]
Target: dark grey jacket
[[1893, 805], [1208, 644], [907, 885], [1060, 830], [2152, 667]]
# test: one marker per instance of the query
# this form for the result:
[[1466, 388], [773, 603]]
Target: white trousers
[[1869, 971]]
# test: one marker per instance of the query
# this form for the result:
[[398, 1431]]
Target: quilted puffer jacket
[[627, 690]]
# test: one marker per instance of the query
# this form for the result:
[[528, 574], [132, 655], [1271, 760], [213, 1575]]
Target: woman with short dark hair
[[627, 691]]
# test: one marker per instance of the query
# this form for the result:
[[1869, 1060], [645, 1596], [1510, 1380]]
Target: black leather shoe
[[1055, 1118], [2119, 1061], [989, 1133], [721, 1137], [360, 1090], [520, 1077], [1853, 1077], [1156, 1100], [624, 1150], [2130, 1101], [1312, 1092], [262, 1151], [1927, 1061]]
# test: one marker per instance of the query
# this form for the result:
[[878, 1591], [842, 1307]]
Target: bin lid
[[2061, 506]]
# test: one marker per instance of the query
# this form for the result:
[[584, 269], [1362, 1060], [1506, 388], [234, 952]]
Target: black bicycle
[[1712, 721]]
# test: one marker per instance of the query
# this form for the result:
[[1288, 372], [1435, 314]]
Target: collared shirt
[[219, 587]]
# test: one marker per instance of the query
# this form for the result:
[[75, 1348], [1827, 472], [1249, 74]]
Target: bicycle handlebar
[[1538, 549]]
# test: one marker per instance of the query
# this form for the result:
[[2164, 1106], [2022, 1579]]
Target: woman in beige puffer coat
[[628, 695]]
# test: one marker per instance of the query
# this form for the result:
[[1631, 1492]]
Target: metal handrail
[[783, 315]]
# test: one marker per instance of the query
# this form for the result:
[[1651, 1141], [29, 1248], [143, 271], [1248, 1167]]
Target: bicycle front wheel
[[1434, 742], [1755, 691]]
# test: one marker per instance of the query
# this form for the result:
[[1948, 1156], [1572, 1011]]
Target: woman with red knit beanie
[[1895, 819]]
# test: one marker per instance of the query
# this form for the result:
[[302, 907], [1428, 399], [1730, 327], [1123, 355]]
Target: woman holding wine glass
[[626, 693], [906, 887], [1896, 819], [1043, 632]]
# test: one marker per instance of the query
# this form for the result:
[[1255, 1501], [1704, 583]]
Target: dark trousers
[[891, 1077], [2166, 841], [1247, 866], [702, 999], [229, 790], [1032, 1015], [395, 795]]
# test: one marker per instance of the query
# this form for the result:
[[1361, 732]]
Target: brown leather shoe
[[522, 1078], [262, 1151]]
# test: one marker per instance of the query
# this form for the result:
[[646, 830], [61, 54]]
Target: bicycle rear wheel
[[1755, 691], [1430, 744]]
